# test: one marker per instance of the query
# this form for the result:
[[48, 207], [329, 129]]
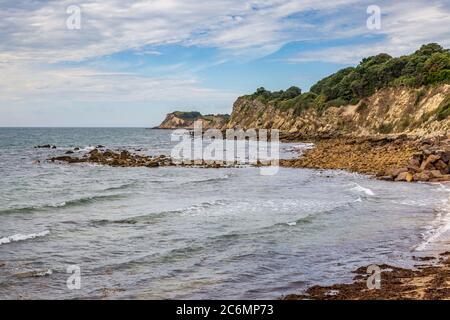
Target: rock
[[69, 152], [76, 149], [404, 176], [152, 164], [445, 156], [124, 154], [428, 163], [396, 172], [442, 166], [100, 146], [444, 178], [109, 154], [415, 162], [435, 174], [386, 178], [46, 146], [95, 151], [421, 176], [413, 169], [409, 177], [63, 158]]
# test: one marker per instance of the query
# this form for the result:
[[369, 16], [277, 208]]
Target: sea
[[84, 231]]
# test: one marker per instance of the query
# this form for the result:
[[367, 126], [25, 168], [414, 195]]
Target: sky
[[114, 63]]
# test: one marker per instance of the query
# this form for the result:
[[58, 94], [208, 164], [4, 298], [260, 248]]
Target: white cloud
[[37, 31], [34, 40], [405, 26], [84, 84]]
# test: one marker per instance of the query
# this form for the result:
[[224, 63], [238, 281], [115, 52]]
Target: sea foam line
[[440, 226], [22, 237], [359, 188]]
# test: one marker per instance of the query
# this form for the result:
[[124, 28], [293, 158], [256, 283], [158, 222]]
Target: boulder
[[444, 178], [396, 172], [428, 163], [442, 166], [124, 154], [434, 174], [415, 161], [421, 176], [404, 176], [69, 152], [152, 164]]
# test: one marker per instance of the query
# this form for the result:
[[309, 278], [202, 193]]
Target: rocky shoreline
[[125, 158], [392, 158], [398, 158], [428, 282]]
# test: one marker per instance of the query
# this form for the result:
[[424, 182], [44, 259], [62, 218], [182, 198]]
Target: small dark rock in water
[[65, 159], [76, 149], [152, 164], [2, 264], [45, 146], [100, 146], [69, 152]]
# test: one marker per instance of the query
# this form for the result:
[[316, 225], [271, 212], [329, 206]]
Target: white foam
[[440, 226], [292, 223], [59, 204], [22, 237], [366, 191]]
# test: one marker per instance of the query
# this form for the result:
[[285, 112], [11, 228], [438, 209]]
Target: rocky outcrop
[[394, 110], [428, 281], [364, 155], [178, 119], [388, 158], [430, 164], [117, 159], [125, 158]]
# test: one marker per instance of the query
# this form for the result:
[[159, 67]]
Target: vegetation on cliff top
[[187, 115], [427, 66]]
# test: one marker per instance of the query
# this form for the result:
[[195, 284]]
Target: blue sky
[[131, 62]]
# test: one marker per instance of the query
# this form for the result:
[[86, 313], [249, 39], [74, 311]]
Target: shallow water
[[193, 232]]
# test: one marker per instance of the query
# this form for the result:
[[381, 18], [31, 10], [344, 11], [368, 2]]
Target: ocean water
[[154, 233]]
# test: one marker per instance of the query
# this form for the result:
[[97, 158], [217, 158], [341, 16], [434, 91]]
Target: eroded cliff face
[[186, 120], [413, 111]]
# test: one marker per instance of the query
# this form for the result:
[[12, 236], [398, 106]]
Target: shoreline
[[401, 158], [430, 281], [394, 159]]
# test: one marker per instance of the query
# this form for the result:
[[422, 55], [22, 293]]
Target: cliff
[[179, 119], [381, 95], [415, 111]]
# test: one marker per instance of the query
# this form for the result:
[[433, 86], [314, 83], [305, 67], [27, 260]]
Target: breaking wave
[[22, 237]]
